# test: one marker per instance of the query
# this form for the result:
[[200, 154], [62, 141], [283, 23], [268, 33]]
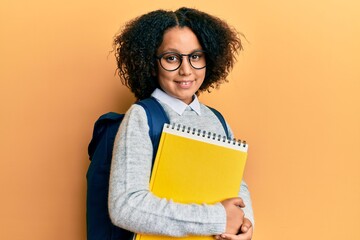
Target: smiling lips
[[184, 84]]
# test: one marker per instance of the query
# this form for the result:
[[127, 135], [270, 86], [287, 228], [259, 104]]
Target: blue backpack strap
[[221, 119], [107, 124], [156, 119]]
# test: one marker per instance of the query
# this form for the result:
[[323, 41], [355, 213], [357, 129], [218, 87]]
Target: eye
[[196, 56], [171, 58]]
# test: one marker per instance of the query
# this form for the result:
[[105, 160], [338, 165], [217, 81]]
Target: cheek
[[165, 75], [201, 75], [163, 79]]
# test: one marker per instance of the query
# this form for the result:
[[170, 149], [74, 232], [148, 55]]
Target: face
[[184, 82]]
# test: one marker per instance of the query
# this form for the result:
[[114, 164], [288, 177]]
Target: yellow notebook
[[193, 166]]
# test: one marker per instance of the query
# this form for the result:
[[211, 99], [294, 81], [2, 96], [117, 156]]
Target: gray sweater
[[133, 207]]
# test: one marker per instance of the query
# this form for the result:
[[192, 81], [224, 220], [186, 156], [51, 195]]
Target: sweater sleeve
[[133, 207], [244, 193]]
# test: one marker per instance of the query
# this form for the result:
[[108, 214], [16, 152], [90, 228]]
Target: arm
[[247, 227], [133, 207], [244, 194]]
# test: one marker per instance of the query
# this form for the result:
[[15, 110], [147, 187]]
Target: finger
[[246, 225], [241, 236], [238, 202], [227, 236], [218, 237], [245, 236]]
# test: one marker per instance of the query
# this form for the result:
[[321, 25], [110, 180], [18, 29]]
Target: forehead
[[181, 40]]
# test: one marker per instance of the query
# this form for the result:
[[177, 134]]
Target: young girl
[[172, 56]]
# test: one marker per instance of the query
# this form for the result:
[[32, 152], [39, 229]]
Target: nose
[[185, 68]]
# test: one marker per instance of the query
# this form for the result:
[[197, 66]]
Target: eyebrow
[[177, 51]]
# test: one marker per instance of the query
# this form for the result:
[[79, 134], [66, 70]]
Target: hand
[[246, 232], [234, 214]]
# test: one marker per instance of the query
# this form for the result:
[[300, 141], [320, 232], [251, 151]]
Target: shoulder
[[208, 110], [135, 116], [212, 113], [135, 109]]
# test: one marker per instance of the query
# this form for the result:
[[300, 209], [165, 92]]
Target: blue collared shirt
[[176, 104]]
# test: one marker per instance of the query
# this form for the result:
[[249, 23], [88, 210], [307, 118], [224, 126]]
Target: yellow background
[[293, 95]]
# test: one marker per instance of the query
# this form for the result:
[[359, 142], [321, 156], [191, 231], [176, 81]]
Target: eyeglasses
[[171, 61]]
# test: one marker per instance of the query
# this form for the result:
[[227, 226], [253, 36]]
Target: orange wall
[[294, 96]]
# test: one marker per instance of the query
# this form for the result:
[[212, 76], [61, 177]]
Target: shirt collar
[[175, 104]]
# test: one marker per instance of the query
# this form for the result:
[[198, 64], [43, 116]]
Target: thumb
[[246, 225]]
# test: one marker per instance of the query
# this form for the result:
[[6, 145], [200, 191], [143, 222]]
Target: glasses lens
[[170, 61], [197, 60]]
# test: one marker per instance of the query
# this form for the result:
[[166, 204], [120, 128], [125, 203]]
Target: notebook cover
[[196, 167]]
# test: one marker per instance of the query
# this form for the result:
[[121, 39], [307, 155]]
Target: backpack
[[99, 225]]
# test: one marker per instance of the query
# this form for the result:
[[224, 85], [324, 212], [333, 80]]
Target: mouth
[[184, 83]]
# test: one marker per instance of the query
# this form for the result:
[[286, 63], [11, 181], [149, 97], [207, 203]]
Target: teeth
[[184, 83]]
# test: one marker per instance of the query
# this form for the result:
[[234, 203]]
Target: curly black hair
[[136, 45]]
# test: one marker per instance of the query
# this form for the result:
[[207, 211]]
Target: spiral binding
[[206, 134]]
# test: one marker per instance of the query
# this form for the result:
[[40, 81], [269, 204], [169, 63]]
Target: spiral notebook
[[194, 166]]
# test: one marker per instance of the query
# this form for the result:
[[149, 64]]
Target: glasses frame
[[181, 59]]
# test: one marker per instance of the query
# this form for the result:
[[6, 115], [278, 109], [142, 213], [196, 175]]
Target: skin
[[237, 227], [182, 84], [246, 232]]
